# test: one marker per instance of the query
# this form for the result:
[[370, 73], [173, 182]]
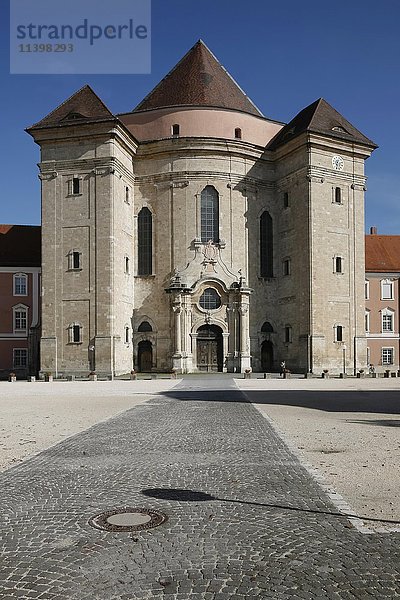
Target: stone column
[[177, 357], [225, 342], [244, 333]]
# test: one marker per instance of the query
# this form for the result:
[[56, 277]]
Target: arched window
[[238, 133], [210, 300], [338, 264], [266, 245], [267, 327], [20, 318], [145, 244], [338, 195], [145, 326], [20, 284], [209, 214]]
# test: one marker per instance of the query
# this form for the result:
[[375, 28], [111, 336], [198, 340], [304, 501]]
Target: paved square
[[245, 519]]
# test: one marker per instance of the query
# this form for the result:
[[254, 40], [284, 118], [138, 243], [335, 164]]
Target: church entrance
[[145, 356], [267, 356], [209, 348]]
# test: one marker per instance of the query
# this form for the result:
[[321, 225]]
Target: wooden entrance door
[[267, 356], [209, 348], [145, 356]]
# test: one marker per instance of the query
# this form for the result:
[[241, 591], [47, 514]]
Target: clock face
[[337, 163]]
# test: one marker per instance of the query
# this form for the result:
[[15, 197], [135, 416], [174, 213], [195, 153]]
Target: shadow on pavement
[[384, 402], [182, 495]]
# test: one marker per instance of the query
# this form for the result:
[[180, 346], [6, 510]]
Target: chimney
[[373, 230]]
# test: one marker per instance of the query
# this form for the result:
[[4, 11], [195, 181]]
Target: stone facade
[[100, 171]]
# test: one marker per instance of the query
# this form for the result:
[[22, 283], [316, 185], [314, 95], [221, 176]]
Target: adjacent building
[[20, 267], [382, 294], [197, 234]]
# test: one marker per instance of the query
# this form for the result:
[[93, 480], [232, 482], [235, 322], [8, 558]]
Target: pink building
[[382, 293], [20, 266]]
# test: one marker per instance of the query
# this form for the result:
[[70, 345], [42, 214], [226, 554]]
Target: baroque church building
[[195, 234]]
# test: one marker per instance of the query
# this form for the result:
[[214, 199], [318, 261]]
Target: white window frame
[[336, 333], [71, 185], [341, 264], [334, 195], [21, 366], [387, 349], [385, 282], [366, 290], [71, 266], [20, 308], [367, 321], [71, 330], [17, 276], [387, 312]]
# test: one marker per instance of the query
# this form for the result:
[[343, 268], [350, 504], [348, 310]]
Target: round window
[[210, 300]]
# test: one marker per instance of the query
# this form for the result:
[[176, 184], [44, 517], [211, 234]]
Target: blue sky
[[283, 54]]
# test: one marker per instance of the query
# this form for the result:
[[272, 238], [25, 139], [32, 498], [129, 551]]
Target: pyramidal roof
[[198, 79], [81, 107], [320, 117]]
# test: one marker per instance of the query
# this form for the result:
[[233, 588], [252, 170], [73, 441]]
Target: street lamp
[[344, 360]]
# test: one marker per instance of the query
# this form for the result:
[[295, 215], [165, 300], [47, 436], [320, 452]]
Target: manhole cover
[[127, 519]]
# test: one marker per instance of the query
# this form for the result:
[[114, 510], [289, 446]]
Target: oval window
[[210, 300]]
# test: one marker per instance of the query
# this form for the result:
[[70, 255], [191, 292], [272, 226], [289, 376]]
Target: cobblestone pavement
[[258, 525]]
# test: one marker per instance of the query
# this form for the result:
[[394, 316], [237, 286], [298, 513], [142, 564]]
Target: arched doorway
[[145, 356], [209, 348], [267, 356]]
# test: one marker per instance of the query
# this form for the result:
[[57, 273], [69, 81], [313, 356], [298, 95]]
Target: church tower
[[196, 234]]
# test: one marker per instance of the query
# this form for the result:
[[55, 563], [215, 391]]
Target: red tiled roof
[[382, 253], [81, 107], [20, 246], [198, 80]]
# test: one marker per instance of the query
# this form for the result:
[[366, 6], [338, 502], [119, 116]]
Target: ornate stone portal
[[210, 306]]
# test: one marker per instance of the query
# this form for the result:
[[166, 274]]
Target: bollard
[[133, 375], [31, 378], [92, 376]]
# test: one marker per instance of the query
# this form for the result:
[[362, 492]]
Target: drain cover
[[128, 519]]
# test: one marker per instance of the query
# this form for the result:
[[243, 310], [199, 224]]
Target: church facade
[[195, 234]]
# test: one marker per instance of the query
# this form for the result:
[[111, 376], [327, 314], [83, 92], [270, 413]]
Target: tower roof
[[198, 79], [81, 107], [320, 117]]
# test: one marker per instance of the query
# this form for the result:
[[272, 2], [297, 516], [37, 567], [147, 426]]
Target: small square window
[[20, 358], [387, 356]]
